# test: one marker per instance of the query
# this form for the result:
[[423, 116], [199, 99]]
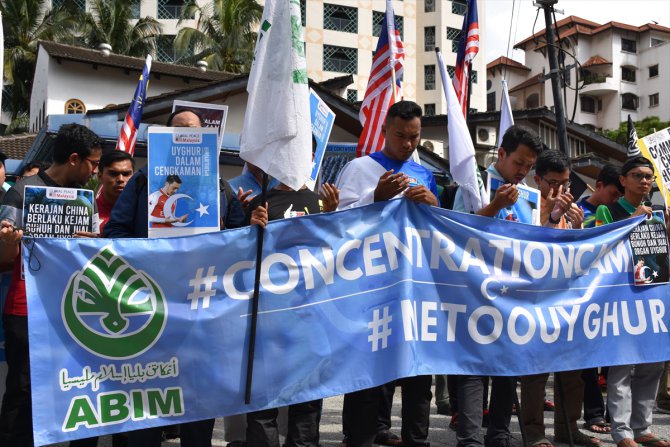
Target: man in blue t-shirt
[[387, 175], [516, 157]]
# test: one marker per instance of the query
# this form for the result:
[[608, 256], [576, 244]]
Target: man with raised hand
[[516, 157], [76, 155], [379, 177]]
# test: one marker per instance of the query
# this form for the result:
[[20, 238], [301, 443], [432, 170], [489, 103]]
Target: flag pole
[[467, 109], [255, 299]]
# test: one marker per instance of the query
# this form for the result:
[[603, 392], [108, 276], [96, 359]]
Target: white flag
[[462, 162], [506, 118], [277, 135]]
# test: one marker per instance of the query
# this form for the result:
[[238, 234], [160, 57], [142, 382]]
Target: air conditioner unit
[[486, 158], [486, 136]]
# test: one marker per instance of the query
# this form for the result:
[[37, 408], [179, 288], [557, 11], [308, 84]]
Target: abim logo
[[112, 310]]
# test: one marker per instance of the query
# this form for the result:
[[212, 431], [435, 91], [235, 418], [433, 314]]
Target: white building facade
[[341, 36], [617, 70]]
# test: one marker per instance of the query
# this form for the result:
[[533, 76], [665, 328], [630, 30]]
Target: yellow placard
[[656, 147]]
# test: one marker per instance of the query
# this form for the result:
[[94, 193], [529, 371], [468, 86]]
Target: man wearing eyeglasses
[[76, 155], [558, 210], [631, 389]]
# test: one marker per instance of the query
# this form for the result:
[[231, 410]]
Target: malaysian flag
[[467, 49], [128, 135], [381, 93]]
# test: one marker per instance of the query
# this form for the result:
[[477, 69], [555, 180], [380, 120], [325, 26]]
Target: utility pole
[[559, 110]]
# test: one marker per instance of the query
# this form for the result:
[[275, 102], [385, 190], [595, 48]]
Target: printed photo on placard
[[58, 212], [213, 115], [183, 173], [527, 207], [649, 247]]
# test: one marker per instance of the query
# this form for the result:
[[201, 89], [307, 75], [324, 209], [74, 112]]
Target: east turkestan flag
[[277, 135]]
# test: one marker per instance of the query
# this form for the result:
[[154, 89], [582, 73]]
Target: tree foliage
[[110, 21], [224, 34], [644, 127]]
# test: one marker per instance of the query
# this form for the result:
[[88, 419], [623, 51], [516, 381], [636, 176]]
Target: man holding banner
[[378, 177], [76, 156], [631, 389], [516, 157]]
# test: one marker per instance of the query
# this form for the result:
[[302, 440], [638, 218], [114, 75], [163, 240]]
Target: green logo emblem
[[112, 310]]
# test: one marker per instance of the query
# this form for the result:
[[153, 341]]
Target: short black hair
[[405, 110], [174, 178], [551, 161], [516, 135], [108, 158], [31, 165], [636, 162], [197, 113], [609, 175], [3, 157], [75, 139]]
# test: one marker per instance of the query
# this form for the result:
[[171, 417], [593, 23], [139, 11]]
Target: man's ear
[[74, 158]]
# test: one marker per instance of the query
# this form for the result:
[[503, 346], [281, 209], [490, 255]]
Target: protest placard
[[213, 115], [183, 171], [649, 246], [656, 147], [58, 212], [322, 123], [528, 201]]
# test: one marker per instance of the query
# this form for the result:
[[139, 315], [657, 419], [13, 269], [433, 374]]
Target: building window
[[454, 34], [79, 5], [170, 9], [459, 7], [628, 45], [653, 71], [74, 106], [577, 146], [340, 59], [429, 38], [548, 135], [656, 42], [429, 6], [653, 100], [340, 18], [352, 95], [588, 104], [629, 101], [491, 102], [134, 9], [628, 74], [429, 77], [165, 51], [474, 76], [429, 109], [377, 20]]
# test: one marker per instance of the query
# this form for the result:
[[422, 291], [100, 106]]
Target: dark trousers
[[361, 413], [470, 400], [191, 434], [16, 427], [594, 404], [303, 426], [385, 407]]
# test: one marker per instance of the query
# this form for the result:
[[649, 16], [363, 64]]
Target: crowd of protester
[[633, 391]]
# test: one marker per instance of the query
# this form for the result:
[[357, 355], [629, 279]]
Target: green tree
[[110, 21], [644, 127], [25, 23], [224, 34]]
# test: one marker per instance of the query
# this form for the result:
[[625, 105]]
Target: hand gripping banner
[[129, 334]]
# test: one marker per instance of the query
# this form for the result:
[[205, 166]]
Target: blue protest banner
[[133, 333], [183, 172]]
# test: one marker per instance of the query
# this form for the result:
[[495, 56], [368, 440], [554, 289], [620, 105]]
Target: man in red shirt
[[114, 171], [159, 217], [76, 156]]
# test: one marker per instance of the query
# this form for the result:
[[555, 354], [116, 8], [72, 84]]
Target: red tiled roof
[[16, 146], [87, 55], [536, 79], [596, 60], [505, 61]]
